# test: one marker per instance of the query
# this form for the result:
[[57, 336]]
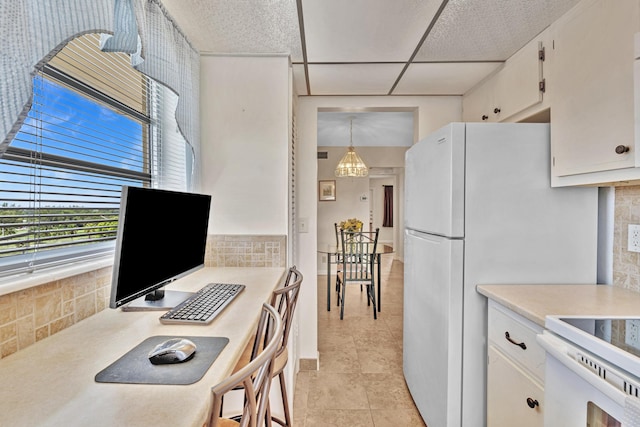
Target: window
[[94, 125]]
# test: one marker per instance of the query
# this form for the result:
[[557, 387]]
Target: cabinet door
[[513, 89], [517, 84], [477, 105], [592, 84], [508, 391]]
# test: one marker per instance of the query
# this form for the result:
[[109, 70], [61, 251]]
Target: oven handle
[[559, 349]]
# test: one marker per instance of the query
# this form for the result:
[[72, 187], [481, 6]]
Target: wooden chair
[[284, 299], [358, 259], [255, 377]]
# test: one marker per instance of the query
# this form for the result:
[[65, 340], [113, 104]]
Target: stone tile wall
[[626, 265], [33, 314], [246, 251]]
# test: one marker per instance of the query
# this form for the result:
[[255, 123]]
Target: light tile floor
[[360, 380]]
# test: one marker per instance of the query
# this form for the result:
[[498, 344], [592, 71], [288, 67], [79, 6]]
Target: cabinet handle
[[519, 344], [496, 110], [532, 403], [621, 149], [484, 117]]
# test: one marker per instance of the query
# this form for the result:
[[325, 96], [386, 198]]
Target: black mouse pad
[[135, 368]]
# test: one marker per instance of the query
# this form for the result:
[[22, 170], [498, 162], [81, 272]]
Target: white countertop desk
[[51, 383], [535, 302]]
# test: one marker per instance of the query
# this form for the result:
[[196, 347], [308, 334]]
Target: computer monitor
[[161, 237]]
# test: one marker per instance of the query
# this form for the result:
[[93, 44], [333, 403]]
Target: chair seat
[[366, 278], [225, 422]]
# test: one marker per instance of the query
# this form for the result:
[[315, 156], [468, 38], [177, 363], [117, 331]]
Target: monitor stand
[[170, 300]]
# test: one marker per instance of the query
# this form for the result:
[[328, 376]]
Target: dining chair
[[284, 299], [255, 377], [358, 251]]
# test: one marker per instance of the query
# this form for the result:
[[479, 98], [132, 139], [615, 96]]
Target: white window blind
[[94, 125]]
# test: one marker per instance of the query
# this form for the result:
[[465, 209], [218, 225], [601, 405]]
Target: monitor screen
[[161, 237]]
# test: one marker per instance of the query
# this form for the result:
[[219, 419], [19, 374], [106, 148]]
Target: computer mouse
[[174, 350]]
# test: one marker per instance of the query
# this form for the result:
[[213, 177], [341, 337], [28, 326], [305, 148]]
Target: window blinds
[[95, 124]]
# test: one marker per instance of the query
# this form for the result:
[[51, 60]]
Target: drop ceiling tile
[[488, 29], [365, 30], [447, 78], [370, 129], [352, 79], [233, 26]]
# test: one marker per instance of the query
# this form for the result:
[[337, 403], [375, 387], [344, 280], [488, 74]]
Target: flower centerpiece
[[351, 225]]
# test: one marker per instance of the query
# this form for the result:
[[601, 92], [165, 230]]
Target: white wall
[[244, 109], [431, 114], [348, 192]]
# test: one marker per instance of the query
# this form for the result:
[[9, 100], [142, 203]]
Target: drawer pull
[[519, 344], [621, 149], [532, 403]]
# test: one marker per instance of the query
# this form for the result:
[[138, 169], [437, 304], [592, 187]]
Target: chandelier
[[351, 164]]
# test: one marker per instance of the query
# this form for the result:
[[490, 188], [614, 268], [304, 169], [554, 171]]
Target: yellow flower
[[351, 224]]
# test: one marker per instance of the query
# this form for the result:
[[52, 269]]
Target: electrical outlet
[[634, 238], [632, 333]]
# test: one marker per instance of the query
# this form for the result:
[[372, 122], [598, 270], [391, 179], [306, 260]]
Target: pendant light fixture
[[351, 164]]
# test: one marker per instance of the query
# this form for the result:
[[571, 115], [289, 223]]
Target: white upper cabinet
[[518, 85], [477, 104], [592, 113], [515, 88]]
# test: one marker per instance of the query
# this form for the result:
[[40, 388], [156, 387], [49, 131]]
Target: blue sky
[[68, 124]]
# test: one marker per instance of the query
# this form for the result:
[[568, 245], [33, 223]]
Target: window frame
[[13, 265]]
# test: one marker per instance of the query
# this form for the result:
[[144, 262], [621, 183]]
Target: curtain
[[387, 219], [33, 31]]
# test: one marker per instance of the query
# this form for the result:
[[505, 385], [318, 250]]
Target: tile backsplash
[[33, 314], [626, 265], [246, 251]]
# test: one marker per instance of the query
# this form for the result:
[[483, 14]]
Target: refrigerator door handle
[[429, 236]]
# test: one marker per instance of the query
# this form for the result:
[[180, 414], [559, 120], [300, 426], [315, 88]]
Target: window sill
[[28, 280]]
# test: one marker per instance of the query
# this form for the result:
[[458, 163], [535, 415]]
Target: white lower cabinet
[[515, 372], [513, 398]]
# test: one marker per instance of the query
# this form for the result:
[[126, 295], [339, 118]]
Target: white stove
[[592, 371]]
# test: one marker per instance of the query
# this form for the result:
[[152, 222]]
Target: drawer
[[513, 397], [521, 331]]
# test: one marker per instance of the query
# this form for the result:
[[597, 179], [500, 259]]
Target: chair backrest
[[358, 254], [284, 299], [255, 377]]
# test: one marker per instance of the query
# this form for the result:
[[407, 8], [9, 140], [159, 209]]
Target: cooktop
[[616, 339]]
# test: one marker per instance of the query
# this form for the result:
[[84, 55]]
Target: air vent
[[323, 155], [592, 365], [617, 380], [381, 171]]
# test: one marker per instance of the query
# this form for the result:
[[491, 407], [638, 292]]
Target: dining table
[[333, 251]]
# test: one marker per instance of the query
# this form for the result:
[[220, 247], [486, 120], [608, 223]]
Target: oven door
[[582, 390]]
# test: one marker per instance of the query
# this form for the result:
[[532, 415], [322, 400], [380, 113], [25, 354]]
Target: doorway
[[380, 138]]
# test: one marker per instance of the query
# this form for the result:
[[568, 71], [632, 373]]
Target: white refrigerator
[[479, 209]]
